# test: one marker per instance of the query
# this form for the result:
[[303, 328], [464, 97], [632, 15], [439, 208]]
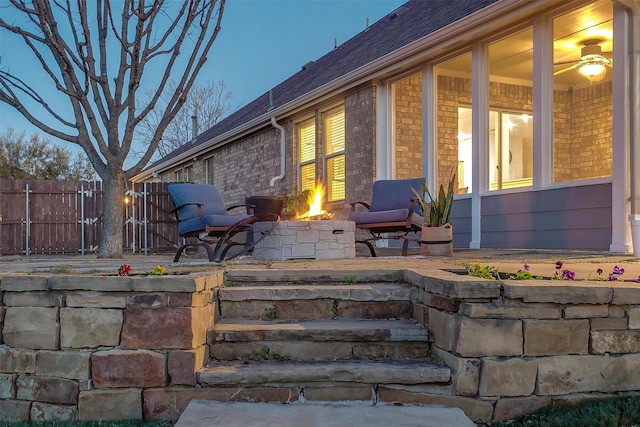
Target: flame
[[315, 204]]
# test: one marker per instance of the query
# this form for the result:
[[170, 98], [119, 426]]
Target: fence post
[[27, 222], [82, 219], [146, 222]]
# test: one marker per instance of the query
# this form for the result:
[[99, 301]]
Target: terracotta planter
[[437, 241]]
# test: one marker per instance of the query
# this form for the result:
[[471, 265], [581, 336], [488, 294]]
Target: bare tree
[[98, 55], [205, 106], [40, 158]]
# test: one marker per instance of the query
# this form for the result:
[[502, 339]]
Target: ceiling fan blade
[[564, 70], [566, 62]]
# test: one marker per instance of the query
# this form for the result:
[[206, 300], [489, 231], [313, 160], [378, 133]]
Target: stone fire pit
[[323, 239]]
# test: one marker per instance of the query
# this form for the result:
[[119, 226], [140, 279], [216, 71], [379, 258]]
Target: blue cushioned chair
[[201, 213], [393, 210]]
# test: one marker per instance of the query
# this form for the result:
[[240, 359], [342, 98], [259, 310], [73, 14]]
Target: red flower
[[124, 270]]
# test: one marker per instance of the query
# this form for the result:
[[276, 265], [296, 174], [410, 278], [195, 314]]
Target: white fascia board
[[454, 36]]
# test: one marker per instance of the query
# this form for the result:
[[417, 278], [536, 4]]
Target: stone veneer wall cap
[[169, 283], [625, 293], [559, 291], [459, 286], [24, 283], [92, 283]]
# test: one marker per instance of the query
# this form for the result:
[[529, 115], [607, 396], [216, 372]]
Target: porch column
[[480, 132], [622, 124]]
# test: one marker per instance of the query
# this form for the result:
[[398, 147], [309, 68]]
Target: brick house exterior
[[414, 83]]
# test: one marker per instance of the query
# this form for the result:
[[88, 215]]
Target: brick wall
[[591, 132], [582, 133], [562, 166], [245, 167], [360, 147], [407, 98]]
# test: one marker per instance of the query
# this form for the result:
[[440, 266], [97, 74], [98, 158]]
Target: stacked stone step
[[326, 335]]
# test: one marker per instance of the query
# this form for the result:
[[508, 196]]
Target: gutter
[[429, 45], [282, 152]]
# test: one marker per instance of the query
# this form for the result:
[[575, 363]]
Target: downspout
[[282, 152]]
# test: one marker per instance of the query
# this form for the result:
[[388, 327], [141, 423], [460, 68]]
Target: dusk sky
[[261, 44]]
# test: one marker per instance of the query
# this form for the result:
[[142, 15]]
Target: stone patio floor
[[542, 262]]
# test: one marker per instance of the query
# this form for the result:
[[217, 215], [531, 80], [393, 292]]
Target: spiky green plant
[[437, 211]]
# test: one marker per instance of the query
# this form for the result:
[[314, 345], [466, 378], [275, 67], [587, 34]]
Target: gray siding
[[461, 222], [565, 218]]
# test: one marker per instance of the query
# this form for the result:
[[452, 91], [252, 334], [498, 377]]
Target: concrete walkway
[[240, 414]]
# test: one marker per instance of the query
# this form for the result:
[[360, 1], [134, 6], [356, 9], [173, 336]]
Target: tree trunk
[[114, 188]]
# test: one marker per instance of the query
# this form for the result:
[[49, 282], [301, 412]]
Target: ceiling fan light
[[593, 68]]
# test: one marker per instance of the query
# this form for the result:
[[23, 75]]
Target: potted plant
[[437, 233], [295, 203]]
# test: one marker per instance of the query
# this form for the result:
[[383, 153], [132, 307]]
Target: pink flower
[[618, 271]]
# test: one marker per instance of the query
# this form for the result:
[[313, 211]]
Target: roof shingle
[[408, 23]]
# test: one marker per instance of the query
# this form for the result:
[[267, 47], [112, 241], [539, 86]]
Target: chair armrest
[[241, 206], [200, 205], [354, 204]]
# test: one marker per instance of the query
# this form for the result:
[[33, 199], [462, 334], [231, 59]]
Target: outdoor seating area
[[393, 214]]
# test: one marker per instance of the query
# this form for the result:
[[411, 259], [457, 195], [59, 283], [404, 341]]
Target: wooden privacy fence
[[66, 217]]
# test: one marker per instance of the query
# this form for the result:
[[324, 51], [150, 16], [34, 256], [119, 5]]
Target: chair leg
[[206, 246], [405, 247], [369, 245]]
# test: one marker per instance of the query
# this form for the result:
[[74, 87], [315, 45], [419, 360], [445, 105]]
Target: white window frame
[[208, 170], [300, 164], [327, 157]]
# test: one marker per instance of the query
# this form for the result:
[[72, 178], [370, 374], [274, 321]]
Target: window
[[188, 174], [510, 114], [179, 175], [510, 150], [334, 151], [208, 170], [453, 121], [582, 102], [307, 155], [464, 150]]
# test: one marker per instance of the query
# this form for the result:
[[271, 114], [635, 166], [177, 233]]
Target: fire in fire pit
[[315, 211]]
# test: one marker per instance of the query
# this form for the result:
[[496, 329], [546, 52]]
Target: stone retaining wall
[[86, 348], [521, 345], [92, 348]]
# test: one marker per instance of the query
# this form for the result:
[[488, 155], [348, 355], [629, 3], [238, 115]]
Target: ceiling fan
[[593, 61]]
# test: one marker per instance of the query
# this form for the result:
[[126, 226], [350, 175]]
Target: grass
[[119, 423], [613, 412]]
